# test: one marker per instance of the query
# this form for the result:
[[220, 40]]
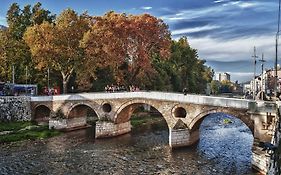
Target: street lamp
[[276, 51], [262, 77], [254, 82]]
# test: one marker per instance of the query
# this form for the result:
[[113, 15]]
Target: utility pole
[[276, 53], [255, 64], [262, 77]]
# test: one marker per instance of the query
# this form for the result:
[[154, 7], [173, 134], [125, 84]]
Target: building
[[222, 76], [246, 87], [266, 82]]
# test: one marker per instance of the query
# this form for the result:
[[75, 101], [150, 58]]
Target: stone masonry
[[109, 129], [15, 108], [182, 113]]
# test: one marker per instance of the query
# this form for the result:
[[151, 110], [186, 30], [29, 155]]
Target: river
[[222, 149]]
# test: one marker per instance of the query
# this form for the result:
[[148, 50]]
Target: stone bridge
[[182, 113]]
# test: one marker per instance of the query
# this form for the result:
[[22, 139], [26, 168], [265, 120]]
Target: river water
[[222, 149]]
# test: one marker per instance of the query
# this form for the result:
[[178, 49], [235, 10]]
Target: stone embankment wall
[[15, 108], [275, 158], [108, 129]]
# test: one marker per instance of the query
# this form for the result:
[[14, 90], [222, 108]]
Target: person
[[184, 91]]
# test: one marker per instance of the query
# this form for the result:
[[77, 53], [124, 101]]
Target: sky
[[223, 31]]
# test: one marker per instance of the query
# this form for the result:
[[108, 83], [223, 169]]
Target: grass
[[137, 121], [32, 133], [14, 126]]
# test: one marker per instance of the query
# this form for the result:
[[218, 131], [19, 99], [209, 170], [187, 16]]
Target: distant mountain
[[2, 27]]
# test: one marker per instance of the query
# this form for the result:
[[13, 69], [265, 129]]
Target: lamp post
[[276, 51], [262, 77], [254, 82]]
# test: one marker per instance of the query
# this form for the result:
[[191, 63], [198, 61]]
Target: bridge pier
[[182, 137], [109, 129]]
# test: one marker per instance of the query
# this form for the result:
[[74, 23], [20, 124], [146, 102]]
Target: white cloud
[[243, 5], [219, 1], [237, 49], [196, 13], [194, 29], [247, 4], [218, 10], [146, 8]]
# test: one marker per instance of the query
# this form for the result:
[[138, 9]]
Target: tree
[[56, 45], [226, 86], [39, 15], [191, 71], [14, 50], [126, 44], [215, 87]]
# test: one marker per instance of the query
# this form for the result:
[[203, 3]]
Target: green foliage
[[104, 76], [183, 70], [14, 126], [13, 49], [227, 121], [33, 134], [137, 121], [226, 86], [25, 131], [215, 87]]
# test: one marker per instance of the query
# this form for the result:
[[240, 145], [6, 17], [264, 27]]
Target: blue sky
[[223, 31]]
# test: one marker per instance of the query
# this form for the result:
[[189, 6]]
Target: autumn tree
[[126, 44], [56, 45], [14, 50]]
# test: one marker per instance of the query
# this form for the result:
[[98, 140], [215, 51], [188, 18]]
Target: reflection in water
[[223, 149]]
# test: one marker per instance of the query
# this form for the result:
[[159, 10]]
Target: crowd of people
[[117, 88]]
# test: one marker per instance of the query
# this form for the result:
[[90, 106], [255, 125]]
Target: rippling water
[[222, 149]]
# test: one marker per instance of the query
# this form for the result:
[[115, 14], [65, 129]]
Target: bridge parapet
[[263, 107], [163, 96]]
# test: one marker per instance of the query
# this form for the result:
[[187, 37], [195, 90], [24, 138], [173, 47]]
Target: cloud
[[221, 9], [146, 8], [195, 13], [194, 29], [237, 49], [243, 5], [219, 1]]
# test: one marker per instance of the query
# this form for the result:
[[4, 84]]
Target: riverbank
[[18, 131]]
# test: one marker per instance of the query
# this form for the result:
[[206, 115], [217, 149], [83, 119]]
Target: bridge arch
[[42, 113], [80, 109], [125, 111], [242, 115]]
